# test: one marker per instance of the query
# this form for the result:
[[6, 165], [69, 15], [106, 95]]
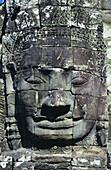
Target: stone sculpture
[[53, 58]]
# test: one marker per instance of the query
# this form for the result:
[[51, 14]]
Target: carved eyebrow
[[46, 71]]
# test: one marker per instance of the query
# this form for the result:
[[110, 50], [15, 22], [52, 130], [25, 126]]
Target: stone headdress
[[55, 25]]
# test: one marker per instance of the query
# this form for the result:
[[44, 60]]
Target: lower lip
[[45, 124], [74, 130]]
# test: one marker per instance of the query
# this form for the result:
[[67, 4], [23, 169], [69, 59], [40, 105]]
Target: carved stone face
[[57, 103]]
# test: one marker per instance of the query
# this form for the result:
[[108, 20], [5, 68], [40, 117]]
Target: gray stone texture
[[53, 85]]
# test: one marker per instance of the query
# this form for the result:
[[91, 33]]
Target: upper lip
[[53, 112]]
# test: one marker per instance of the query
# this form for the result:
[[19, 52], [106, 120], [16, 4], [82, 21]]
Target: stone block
[[85, 3], [88, 39], [49, 166], [106, 4], [84, 83], [82, 56], [102, 132], [89, 156], [27, 19], [88, 168], [29, 98], [44, 79], [54, 36], [109, 133], [9, 84], [83, 108], [33, 79], [60, 74], [38, 157], [26, 4], [31, 57], [11, 99], [109, 154], [2, 116], [14, 144], [1, 87], [52, 2], [55, 15], [57, 57], [6, 162], [2, 15], [85, 18], [81, 128]]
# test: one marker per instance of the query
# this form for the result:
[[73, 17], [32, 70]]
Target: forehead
[[61, 57]]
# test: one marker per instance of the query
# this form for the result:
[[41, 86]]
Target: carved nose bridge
[[55, 105], [55, 81], [56, 98]]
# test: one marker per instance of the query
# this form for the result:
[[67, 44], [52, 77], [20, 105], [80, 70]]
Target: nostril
[[52, 112]]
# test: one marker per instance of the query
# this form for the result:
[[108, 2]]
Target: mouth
[[60, 129], [54, 112], [61, 124], [55, 120], [66, 130]]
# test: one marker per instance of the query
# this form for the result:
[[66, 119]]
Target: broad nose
[[56, 98], [55, 105]]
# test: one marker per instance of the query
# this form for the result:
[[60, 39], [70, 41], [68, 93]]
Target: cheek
[[28, 98], [86, 107]]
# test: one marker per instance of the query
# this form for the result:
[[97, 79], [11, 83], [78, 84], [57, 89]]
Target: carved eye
[[34, 80], [79, 81]]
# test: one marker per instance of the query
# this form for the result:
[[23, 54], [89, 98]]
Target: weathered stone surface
[[2, 16], [85, 3], [85, 18], [50, 56], [81, 128], [53, 36], [109, 127], [2, 116], [53, 57], [55, 15], [56, 166], [23, 165], [106, 4], [82, 56], [9, 84], [44, 79], [84, 83], [57, 57], [84, 105], [27, 19], [1, 87], [91, 156], [11, 104], [26, 4], [52, 2], [109, 154], [88, 168], [102, 133], [5, 163]]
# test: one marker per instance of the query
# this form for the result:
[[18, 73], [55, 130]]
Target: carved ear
[[11, 67]]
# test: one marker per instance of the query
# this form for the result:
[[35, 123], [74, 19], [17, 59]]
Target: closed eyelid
[[35, 80], [79, 80]]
